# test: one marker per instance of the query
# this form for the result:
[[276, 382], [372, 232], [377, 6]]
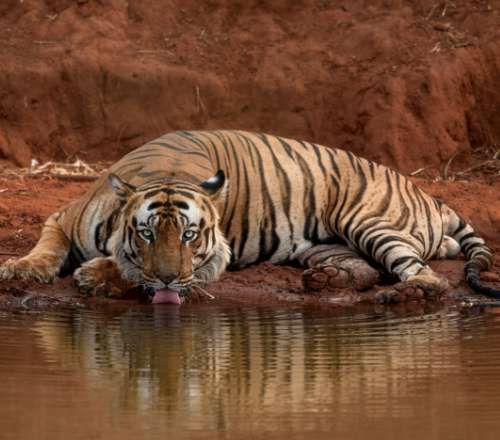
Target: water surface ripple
[[214, 372]]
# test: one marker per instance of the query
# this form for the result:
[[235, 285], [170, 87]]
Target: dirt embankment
[[413, 85], [404, 83]]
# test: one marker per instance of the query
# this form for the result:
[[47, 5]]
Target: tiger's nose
[[166, 278]]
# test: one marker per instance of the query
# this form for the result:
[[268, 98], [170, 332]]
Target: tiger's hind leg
[[101, 277], [418, 281], [449, 248], [45, 260], [336, 266]]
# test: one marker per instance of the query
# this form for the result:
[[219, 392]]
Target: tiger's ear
[[216, 186], [122, 189]]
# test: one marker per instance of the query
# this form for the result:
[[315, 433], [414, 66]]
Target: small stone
[[442, 27]]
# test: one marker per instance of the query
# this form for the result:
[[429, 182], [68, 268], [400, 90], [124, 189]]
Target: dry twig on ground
[[77, 171]]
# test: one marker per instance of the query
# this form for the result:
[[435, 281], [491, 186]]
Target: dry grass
[[490, 165], [76, 171]]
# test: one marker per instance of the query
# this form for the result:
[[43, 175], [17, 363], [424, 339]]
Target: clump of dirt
[[406, 83]]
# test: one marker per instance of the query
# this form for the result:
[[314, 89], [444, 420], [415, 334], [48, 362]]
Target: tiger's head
[[168, 235]]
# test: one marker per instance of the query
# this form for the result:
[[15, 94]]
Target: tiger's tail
[[477, 254]]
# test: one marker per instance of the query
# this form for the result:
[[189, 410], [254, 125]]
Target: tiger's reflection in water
[[225, 368]]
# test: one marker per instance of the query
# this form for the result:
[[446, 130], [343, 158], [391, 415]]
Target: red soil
[[408, 84]]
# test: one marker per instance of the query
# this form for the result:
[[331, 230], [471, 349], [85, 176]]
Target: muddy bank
[[26, 202]]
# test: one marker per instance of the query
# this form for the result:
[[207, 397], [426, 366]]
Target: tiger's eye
[[147, 234], [188, 235]]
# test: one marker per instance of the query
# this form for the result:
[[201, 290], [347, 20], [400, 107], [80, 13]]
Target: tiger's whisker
[[209, 295]]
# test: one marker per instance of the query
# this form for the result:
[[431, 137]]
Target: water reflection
[[171, 369]]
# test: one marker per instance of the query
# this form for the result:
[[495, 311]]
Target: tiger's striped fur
[[283, 198]]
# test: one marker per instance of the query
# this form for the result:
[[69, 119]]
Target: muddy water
[[208, 372]]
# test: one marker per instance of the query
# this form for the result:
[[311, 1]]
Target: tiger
[[175, 213]]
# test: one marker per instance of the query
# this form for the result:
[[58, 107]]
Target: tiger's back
[[283, 195]]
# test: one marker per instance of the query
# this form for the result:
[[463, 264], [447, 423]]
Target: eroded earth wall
[[402, 82]]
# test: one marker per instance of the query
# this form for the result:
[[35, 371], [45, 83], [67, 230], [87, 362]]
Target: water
[[212, 372]]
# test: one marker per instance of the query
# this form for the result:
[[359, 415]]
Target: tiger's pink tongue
[[166, 296]]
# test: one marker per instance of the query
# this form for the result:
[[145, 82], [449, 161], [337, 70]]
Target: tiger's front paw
[[39, 267], [100, 277]]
